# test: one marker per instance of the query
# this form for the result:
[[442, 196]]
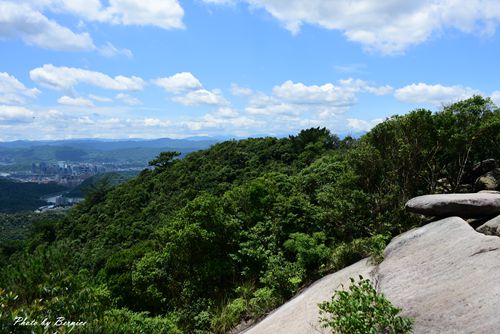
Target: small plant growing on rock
[[362, 310]]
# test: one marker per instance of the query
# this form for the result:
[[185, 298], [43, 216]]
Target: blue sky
[[175, 68]]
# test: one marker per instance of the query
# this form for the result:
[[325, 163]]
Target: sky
[[182, 68]]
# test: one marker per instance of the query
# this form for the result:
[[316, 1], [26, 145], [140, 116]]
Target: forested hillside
[[224, 235], [24, 196]]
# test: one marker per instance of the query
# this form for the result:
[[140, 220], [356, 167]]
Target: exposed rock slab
[[491, 227], [446, 276], [463, 205], [300, 315]]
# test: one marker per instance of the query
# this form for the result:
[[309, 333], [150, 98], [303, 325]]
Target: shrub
[[362, 310]]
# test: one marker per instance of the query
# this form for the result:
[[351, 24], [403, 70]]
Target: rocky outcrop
[[445, 275], [479, 169], [491, 227], [467, 205]]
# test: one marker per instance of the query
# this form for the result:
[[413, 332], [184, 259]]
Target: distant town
[[66, 173]]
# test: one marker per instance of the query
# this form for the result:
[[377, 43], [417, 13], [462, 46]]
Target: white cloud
[[495, 97], [201, 97], [130, 100], [433, 94], [226, 112], [100, 98], [237, 90], [12, 91], [357, 85], [109, 50], [75, 101], [15, 114], [325, 94], [261, 104], [156, 122], [23, 22], [63, 78], [178, 83], [26, 20], [322, 101], [389, 26], [360, 125], [209, 121], [166, 14]]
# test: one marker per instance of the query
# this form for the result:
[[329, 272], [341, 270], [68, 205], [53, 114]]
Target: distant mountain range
[[21, 154]]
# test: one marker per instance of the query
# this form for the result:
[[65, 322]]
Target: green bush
[[362, 310]]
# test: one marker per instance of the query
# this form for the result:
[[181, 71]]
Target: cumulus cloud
[[75, 101], [64, 78], [27, 20], [12, 91], [127, 99], [389, 26], [201, 97], [262, 104], [325, 94], [165, 14], [318, 100], [360, 125], [495, 97], [100, 98], [18, 20], [267, 105], [15, 114], [178, 83], [433, 94]]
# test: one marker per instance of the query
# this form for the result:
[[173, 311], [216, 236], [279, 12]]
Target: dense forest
[[24, 196], [224, 235], [113, 178]]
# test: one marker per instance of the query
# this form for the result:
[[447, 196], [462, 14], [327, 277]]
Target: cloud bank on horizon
[[164, 68]]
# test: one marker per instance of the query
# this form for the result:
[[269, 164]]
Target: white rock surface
[[467, 205], [445, 275], [300, 315]]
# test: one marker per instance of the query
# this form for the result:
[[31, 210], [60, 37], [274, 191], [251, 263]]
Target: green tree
[[164, 159], [362, 310]]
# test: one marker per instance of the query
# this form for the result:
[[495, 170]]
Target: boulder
[[445, 275], [491, 227], [479, 169], [488, 181], [469, 205]]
